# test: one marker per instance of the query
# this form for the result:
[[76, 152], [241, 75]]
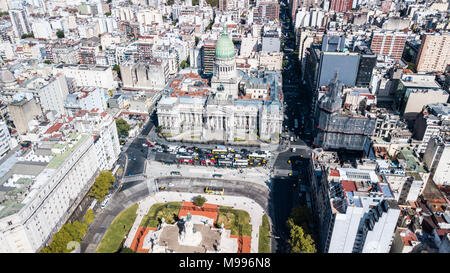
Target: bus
[[225, 162], [220, 151], [185, 157], [241, 162], [296, 123], [212, 190], [257, 156]]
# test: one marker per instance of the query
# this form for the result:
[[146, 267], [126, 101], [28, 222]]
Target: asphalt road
[[137, 153], [285, 188]]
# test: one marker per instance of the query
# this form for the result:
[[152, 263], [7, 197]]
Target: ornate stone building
[[236, 108]]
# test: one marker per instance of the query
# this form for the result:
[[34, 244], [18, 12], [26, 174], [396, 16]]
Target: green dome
[[224, 47]]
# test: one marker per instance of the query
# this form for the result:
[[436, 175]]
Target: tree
[[69, 232], [122, 127], [199, 200], [89, 217], [197, 39], [108, 14], [116, 68], [300, 241], [27, 35], [47, 62], [301, 217], [127, 250], [60, 34], [101, 185]]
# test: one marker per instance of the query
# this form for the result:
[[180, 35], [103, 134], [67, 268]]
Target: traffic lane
[[282, 200], [137, 154]]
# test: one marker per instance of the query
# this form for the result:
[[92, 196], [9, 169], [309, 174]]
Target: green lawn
[[120, 226], [168, 210], [236, 220], [264, 236]]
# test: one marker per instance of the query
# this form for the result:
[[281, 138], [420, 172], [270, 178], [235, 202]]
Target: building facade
[[224, 112]]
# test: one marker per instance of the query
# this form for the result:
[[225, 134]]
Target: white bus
[[241, 162]]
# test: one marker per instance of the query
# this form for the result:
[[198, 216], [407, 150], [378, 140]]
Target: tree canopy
[[89, 216], [300, 241], [60, 34], [300, 238], [122, 127], [69, 232], [199, 200], [101, 185]]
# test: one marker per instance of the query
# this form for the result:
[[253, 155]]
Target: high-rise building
[[388, 44], [434, 53], [207, 52], [53, 92], [267, 10], [337, 129], [19, 22], [5, 138], [417, 90], [341, 5], [437, 159], [23, 111], [223, 5], [367, 62], [355, 212], [333, 43], [433, 118]]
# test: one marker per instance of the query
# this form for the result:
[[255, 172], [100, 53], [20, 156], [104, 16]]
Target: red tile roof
[[334, 173], [55, 127], [348, 185]]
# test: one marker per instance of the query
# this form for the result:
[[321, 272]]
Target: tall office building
[[341, 5], [437, 159], [367, 62], [388, 44], [19, 22], [223, 5], [53, 93], [355, 212], [434, 53], [208, 51]]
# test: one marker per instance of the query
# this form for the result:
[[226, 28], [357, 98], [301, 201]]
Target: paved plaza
[[236, 202]]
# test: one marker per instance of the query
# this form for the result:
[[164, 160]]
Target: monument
[[189, 236]]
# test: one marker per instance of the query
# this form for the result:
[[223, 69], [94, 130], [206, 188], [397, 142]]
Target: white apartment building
[[86, 98], [19, 20], [270, 61], [437, 159], [52, 92], [106, 140], [433, 118], [42, 29], [88, 75], [43, 187], [364, 214], [5, 139]]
